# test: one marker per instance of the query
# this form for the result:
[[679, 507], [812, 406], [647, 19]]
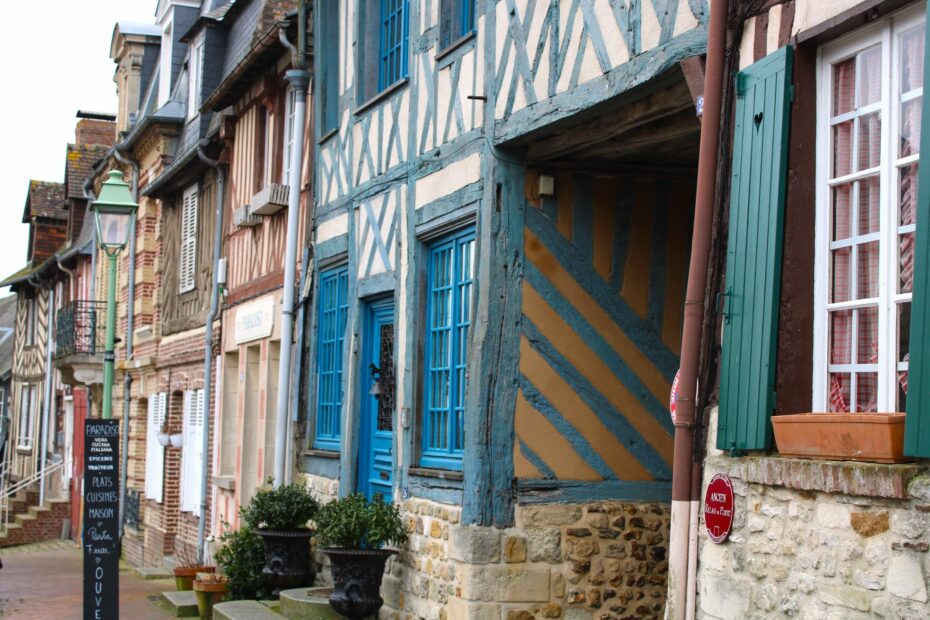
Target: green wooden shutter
[[917, 422], [753, 277]]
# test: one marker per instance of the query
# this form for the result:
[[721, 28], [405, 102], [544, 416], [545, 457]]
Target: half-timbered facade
[[503, 205], [258, 116]]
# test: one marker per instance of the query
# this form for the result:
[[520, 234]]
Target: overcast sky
[[55, 60]]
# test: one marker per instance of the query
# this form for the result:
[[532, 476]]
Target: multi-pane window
[[187, 267], [869, 136], [456, 19], [394, 36], [450, 279], [333, 309]]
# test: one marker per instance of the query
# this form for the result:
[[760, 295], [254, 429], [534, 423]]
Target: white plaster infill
[[332, 228], [451, 178]]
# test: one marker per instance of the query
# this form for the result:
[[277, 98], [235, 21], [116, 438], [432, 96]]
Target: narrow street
[[44, 580]]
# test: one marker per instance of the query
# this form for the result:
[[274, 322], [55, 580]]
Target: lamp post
[[114, 212]]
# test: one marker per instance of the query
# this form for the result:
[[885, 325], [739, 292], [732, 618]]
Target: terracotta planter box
[[870, 437]]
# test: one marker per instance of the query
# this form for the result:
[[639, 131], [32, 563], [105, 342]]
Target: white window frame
[[154, 451], [192, 457], [267, 146], [164, 78], [31, 320], [187, 263], [25, 428], [885, 32], [194, 72], [288, 141]]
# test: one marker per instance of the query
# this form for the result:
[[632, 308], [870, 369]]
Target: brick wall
[[49, 236], [94, 132]]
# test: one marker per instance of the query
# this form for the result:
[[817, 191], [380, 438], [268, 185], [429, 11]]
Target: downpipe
[[208, 343], [130, 329], [299, 79], [685, 473]]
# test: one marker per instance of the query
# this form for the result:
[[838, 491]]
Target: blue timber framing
[[370, 153]]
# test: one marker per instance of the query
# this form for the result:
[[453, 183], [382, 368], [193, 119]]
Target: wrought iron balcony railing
[[81, 329]]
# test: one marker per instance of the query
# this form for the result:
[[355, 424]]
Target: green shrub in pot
[[241, 559], [282, 517], [353, 532]]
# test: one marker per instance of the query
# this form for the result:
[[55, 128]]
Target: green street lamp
[[114, 213]]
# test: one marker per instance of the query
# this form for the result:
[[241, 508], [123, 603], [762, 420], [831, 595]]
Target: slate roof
[[80, 165], [20, 276], [45, 199]]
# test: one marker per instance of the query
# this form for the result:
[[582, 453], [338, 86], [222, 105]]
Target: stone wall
[[579, 561], [818, 540]]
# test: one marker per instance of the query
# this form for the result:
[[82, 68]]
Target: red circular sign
[[718, 508]]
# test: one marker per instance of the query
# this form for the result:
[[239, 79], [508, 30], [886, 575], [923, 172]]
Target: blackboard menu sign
[[101, 516]]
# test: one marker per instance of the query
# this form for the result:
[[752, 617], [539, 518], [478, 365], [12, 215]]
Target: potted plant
[[282, 516], [353, 532], [186, 568], [209, 588], [164, 437], [241, 559]]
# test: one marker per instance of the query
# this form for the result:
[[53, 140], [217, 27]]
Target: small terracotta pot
[[208, 594], [870, 437], [184, 575]]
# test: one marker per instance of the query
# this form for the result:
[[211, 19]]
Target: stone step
[[181, 604], [243, 610], [307, 604], [148, 573]]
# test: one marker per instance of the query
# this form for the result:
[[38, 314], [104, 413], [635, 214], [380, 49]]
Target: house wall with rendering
[[827, 535]]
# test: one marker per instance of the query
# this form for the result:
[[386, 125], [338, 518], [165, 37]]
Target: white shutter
[[154, 451], [187, 264], [192, 455]]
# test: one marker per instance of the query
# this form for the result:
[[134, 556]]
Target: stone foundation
[[603, 561]]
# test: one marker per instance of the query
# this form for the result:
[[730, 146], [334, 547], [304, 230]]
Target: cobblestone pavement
[[45, 580]]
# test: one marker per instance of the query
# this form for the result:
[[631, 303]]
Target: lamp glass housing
[[113, 212]]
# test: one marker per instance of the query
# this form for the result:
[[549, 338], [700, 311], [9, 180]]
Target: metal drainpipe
[[684, 500], [208, 342], [130, 327], [299, 78]]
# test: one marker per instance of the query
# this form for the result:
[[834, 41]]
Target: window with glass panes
[[869, 136], [450, 283], [456, 19], [331, 327], [393, 42]]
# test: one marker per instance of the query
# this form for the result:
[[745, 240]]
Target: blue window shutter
[[331, 327], [917, 421], [754, 249], [393, 42], [450, 279]]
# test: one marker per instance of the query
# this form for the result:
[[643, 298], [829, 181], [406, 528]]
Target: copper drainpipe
[[684, 497]]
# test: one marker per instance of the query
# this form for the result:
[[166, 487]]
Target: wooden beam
[[609, 127], [693, 70]]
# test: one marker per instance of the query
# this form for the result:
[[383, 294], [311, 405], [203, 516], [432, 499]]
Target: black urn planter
[[357, 577], [287, 559]]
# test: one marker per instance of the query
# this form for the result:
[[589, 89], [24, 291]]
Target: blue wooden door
[[376, 457]]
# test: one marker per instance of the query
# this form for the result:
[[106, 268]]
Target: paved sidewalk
[[45, 580]]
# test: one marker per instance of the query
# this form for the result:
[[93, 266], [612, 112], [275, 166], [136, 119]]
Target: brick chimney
[[94, 132]]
